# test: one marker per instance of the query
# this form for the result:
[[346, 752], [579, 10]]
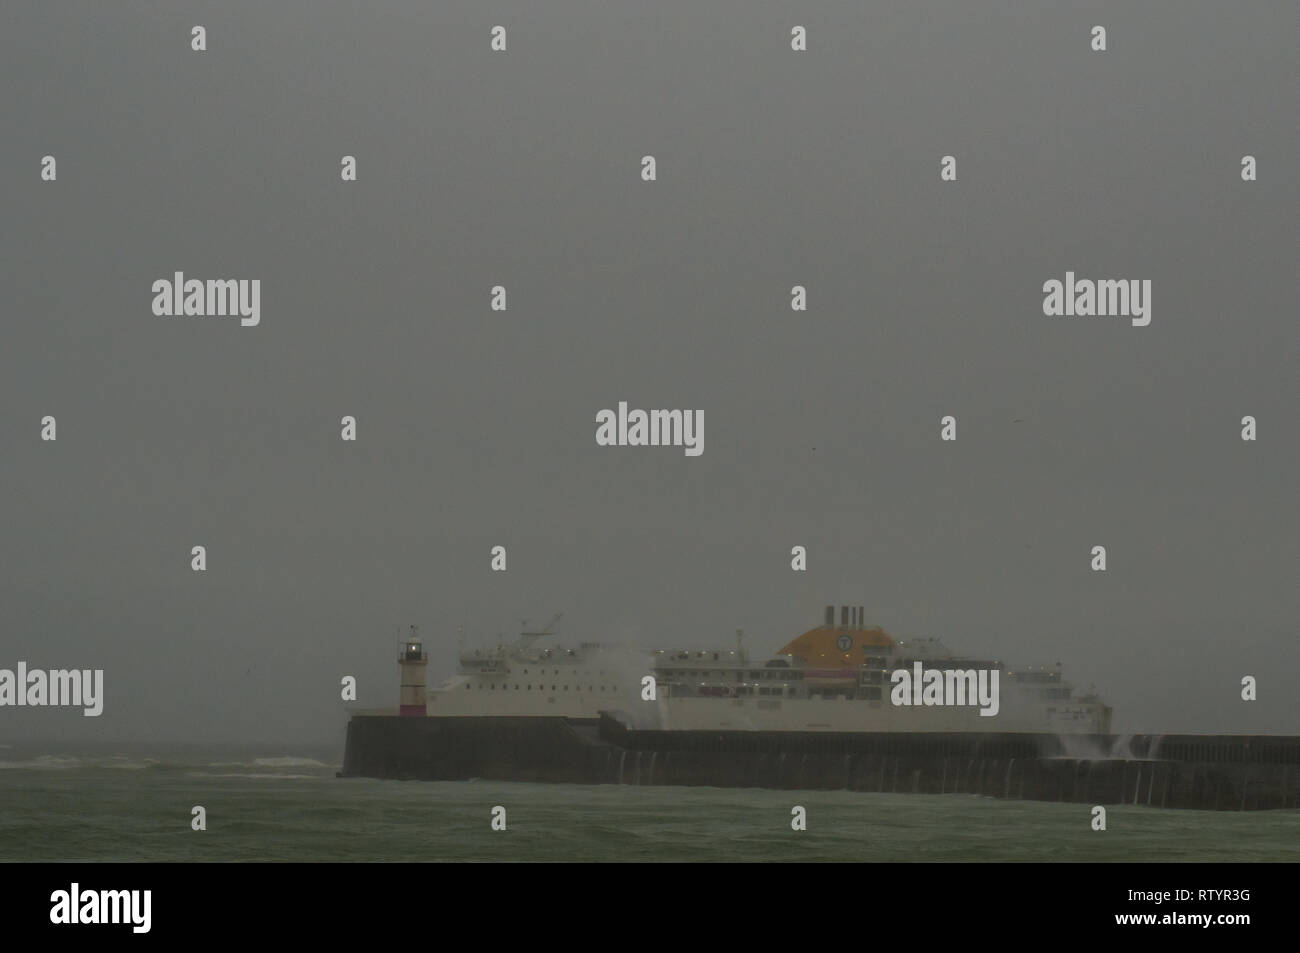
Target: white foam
[[289, 762]]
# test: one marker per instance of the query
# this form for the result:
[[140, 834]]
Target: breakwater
[[1207, 772]]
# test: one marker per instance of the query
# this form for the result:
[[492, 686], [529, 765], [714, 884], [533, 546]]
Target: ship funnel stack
[[851, 617], [412, 661]]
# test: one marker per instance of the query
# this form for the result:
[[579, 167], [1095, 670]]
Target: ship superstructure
[[843, 678], [531, 677], [835, 677]]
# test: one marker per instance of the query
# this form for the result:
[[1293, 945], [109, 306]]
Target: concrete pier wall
[[1206, 772]]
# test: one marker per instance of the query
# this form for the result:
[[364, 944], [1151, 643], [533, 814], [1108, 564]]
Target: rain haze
[[476, 428]]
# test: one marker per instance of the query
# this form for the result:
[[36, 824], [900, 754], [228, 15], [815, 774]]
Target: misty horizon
[[477, 428]]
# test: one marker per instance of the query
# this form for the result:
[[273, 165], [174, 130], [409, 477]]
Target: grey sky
[[477, 428]]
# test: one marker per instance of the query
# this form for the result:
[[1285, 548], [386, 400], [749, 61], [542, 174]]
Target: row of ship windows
[[528, 688], [497, 668], [783, 674], [777, 674], [871, 694]]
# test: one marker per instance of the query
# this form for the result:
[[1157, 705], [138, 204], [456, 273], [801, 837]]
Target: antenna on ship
[[527, 638]]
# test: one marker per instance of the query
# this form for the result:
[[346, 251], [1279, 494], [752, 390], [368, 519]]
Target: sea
[[286, 804]]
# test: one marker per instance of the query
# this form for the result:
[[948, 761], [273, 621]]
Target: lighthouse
[[412, 662]]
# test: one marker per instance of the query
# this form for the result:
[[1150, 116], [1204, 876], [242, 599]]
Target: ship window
[[530, 688], [516, 688], [525, 671], [552, 688]]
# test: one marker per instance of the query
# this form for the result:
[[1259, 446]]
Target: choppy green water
[[288, 806]]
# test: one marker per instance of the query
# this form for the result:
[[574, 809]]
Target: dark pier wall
[[1204, 772], [1174, 784], [453, 749]]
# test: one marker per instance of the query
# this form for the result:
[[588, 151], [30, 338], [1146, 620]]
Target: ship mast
[[527, 638]]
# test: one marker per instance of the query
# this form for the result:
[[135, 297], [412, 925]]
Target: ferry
[[836, 677]]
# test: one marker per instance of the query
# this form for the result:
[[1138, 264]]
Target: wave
[[269, 764], [256, 775], [290, 762], [258, 767], [51, 762]]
